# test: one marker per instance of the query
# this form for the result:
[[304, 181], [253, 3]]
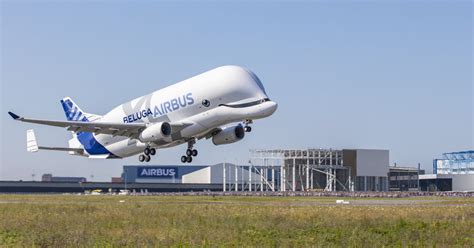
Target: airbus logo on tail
[[162, 109]]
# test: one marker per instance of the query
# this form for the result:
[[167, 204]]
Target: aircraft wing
[[119, 129]]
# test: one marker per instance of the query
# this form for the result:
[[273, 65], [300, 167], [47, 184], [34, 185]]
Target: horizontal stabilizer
[[32, 145]]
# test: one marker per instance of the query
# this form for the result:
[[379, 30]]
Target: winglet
[[13, 115]]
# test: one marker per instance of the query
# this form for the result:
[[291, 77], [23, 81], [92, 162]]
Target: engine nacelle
[[229, 135], [155, 132]]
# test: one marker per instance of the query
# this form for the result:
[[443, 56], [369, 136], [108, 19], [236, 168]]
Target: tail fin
[[74, 113]]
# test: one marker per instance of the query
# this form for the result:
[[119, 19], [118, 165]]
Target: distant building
[[454, 163], [48, 177], [117, 180], [189, 174], [404, 178], [453, 172], [370, 168], [279, 170], [436, 182]]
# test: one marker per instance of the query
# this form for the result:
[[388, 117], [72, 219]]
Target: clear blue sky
[[393, 75]]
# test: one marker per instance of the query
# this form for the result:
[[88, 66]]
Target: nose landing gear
[[147, 153], [247, 126]]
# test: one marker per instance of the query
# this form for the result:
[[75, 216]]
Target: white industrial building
[[453, 172], [280, 170]]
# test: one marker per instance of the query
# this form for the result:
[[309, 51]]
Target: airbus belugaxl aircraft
[[203, 106]]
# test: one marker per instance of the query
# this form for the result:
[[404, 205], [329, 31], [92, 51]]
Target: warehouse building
[[453, 172], [402, 178], [455, 163], [228, 175], [447, 182], [280, 170], [436, 182], [370, 168], [48, 177]]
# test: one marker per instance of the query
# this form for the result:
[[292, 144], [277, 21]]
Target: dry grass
[[87, 221]]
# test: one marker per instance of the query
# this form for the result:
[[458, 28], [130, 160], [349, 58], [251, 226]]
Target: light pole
[[418, 176], [125, 171]]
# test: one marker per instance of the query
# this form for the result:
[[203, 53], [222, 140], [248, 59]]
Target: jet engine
[[155, 132], [229, 135]]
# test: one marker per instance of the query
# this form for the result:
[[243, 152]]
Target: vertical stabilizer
[[74, 113]]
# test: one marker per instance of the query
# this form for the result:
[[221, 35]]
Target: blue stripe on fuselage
[[91, 145]]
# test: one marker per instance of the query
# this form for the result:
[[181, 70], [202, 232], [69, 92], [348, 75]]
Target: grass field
[[113, 221]]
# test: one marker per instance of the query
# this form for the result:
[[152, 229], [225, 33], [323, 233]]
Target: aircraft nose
[[273, 106]]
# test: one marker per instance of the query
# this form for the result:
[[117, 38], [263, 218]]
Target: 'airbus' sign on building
[[157, 172]]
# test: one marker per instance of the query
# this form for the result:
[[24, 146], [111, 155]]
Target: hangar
[[280, 170], [453, 172]]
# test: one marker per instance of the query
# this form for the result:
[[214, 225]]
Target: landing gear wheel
[[189, 152], [147, 158], [152, 151], [147, 151], [248, 129], [141, 158]]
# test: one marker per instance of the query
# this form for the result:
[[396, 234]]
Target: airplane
[[220, 104]]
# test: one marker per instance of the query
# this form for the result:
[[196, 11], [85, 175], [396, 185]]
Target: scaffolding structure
[[289, 170], [455, 163]]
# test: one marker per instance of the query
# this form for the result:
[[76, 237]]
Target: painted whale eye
[[206, 103]]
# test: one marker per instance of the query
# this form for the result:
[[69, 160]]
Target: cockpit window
[[244, 105], [257, 80]]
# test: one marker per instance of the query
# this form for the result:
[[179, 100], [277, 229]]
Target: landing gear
[[247, 126], [144, 158], [186, 159], [190, 152], [147, 153]]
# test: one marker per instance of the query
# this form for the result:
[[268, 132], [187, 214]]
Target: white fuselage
[[205, 102]]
